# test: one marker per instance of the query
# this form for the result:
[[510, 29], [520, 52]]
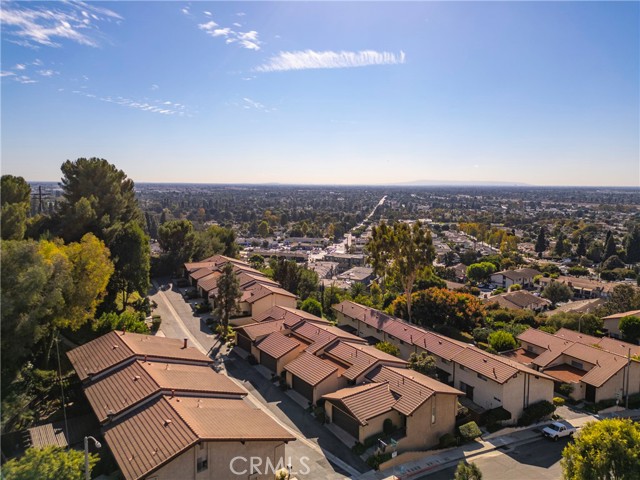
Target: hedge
[[469, 431], [535, 412]]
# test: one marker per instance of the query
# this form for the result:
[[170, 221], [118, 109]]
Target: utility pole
[[626, 401]]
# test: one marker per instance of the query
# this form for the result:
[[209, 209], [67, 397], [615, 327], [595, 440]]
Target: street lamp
[[86, 455]]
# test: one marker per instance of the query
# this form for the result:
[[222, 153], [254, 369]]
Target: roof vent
[[136, 378], [115, 346], [167, 422], [484, 360]]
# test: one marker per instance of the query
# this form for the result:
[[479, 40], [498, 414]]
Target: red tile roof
[[360, 358], [277, 345], [291, 316], [410, 387], [363, 402], [257, 330], [117, 347], [310, 368], [259, 290]]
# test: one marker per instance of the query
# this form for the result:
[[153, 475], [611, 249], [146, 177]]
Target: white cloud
[[248, 40], [309, 59], [47, 25], [207, 26], [25, 79], [155, 87], [240, 14], [20, 66], [153, 106], [186, 10], [48, 73], [208, 14], [249, 104], [238, 25], [6, 74]]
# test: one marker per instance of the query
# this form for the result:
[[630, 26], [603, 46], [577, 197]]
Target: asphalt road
[[539, 460]]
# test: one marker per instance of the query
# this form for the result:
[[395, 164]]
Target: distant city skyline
[[372, 93]]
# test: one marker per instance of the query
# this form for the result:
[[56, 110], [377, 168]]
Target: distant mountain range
[[466, 183]]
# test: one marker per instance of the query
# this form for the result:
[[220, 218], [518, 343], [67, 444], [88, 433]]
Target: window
[[529, 348], [391, 337], [482, 377], [462, 367], [577, 364], [401, 342], [203, 464], [378, 330]]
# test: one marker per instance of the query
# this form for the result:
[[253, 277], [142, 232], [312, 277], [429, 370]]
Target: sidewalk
[[412, 467]]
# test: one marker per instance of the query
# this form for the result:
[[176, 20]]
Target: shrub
[[502, 341], [481, 334], [469, 431], [358, 449], [156, 320], [387, 426], [565, 389], [536, 412], [447, 440], [389, 348], [558, 401], [515, 287], [374, 461]]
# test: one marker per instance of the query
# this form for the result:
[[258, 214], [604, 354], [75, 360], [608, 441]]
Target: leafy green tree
[[376, 295], [357, 289], [129, 321], [608, 449], [131, 257], [557, 292], [632, 245], [439, 306], [630, 327], [48, 463], [330, 297], [623, 298], [402, 250], [106, 190], [263, 229], [215, 240], [177, 240], [561, 247], [610, 248], [541, 242], [312, 306], [612, 263], [467, 471], [595, 251], [480, 272], [502, 341], [16, 197], [423, 363], [256, 261], [581, 250], [389, 348], [226, 300], [583, 322]]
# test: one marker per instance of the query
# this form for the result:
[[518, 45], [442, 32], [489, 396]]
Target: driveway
[[315, 447]]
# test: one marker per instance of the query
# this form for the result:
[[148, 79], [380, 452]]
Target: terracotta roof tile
[[412, 388], [162, 347], [277, 345], [257, 330], [310, 368], [635, 313], [191, 378], [220, 419], [498, 369], [291, 316], [360, 357], [100, 354], [365, 401], [605, 343], [147, 438]]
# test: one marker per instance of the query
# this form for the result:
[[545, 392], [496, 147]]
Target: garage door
[[244, 342], [303, 388], [269, 362], [346, 422]]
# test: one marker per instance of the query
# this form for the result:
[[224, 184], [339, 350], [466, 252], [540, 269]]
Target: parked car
[[558, 430]]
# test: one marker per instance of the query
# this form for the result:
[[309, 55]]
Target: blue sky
[[544, 93]]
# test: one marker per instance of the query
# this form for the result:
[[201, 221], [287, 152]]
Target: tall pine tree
[[632, 245], [541, 242], [610, 248]]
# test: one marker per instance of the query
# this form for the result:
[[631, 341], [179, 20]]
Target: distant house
[[581, 306], [166, 414], [362, 275], [612, 322], [581, 287], [420, 408], [522, 276], [595, 367], [520, 299], [345, 261]]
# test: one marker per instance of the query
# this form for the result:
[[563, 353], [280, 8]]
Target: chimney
[[185, 343], [173, 393], [124, 330]]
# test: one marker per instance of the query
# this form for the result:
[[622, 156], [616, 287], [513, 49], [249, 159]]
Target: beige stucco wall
[[421, 433], [332, 383], [265, 303], [487, 393], [288, 357], [220, 455], [525, 390], [612, 325], [375, 425], [617, 384]]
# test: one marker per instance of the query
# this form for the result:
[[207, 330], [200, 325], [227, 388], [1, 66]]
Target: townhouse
[[612, 322], [597, 368], [581, 287], [488, 381], [521, 300], [165, 413]]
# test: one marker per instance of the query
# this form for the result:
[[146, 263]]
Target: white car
[[558, 430]]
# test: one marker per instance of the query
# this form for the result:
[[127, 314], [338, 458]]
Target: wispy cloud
[[47, 73], [249, 104], [309, 59], [6, 74], [186, 10], [208, 14], [248, 40], [49, 24], [20, 66], [24, 79], [162, 107]]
